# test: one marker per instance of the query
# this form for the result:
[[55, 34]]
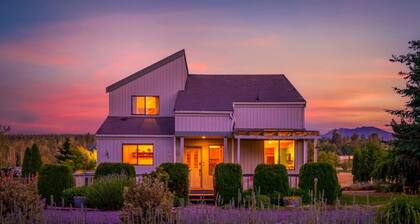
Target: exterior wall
[[252, 154], [164, 82], [279, 116], [162, 146], [203, 123]]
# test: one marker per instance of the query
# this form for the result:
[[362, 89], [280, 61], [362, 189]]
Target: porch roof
[[276, 134], [137, 126]]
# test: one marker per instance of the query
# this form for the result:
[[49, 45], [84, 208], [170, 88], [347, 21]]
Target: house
[[165, 114]]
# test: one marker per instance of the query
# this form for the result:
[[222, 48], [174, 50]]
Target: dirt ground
[[345, 179]]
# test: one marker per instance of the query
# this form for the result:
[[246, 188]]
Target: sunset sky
[[57, 57]]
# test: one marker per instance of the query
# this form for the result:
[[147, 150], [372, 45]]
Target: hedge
[[327, 185], [228, 182], [178, 182], [106, 169], [52, 180], [271, 178]]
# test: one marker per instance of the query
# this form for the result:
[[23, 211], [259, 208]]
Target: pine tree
[[406, 145], [356, 164], [65, 151]]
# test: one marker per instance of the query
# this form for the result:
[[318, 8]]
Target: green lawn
[[367, 199]]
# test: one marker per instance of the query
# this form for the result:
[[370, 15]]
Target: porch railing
[[248, 180]]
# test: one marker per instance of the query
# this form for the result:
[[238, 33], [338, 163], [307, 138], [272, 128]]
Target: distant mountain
[[366, 131]]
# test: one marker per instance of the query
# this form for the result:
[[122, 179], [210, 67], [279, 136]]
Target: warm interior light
[[214, 147], [203, 137]]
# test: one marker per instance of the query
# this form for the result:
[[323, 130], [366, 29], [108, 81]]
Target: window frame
[[279, 149], [145, 109], [137, 151]]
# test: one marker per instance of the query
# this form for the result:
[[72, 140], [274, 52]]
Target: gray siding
[[163, 150], [277, 116], [164, 82], [203, 123]]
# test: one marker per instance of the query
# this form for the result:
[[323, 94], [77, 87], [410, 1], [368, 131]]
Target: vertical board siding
[[203, 123], [269, 116], [164, 82], [163, 150], [252, 154]]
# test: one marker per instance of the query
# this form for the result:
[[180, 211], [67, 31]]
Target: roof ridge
[[146, 70], [237, 74]]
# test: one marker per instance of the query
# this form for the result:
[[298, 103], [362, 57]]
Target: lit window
[[280, 152], [145, 105], [215, 157], [138, 154]]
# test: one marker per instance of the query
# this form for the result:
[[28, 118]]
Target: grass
[[374, 199]]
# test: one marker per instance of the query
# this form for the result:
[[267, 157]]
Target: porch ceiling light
[[203, 137]]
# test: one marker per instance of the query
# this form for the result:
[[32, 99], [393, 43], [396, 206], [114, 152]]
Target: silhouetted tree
[[65, 151], [406, 145]]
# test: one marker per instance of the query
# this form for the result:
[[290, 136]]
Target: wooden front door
[[192, 158]]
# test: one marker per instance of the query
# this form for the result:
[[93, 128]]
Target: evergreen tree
[[356, 164], [27, 162], [36, 161], [65, 151], [406, 145]]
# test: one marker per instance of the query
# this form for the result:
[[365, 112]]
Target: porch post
[[225, 150], [315, 150], [305, 151], [232, 151], [181, 149], [174, 149], [238, 151]]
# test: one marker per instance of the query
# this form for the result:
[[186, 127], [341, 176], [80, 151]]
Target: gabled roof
[[137, 126], [218, 92], [146, 70]]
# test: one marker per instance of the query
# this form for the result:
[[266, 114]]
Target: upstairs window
[[145, 105]]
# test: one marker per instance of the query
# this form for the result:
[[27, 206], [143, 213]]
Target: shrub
[[107, 192], [53, 179], [149, 201], [402, 209], [271, 178], [252, 199], [31, 161], [70, 193], [228, 182], [327, 184], [178, 182], [19, 201], [105, 169]]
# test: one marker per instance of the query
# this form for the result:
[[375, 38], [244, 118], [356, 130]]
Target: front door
[[192, 158]]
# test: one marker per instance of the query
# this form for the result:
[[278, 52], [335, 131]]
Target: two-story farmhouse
[[164, 114]]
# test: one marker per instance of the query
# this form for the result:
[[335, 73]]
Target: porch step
[[202, 196]]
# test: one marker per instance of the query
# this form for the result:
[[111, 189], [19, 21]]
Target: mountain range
[[366, 131]]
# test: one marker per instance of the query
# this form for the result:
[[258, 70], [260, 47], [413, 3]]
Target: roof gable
[[146, 70]]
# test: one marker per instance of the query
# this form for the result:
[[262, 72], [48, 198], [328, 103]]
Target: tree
[[328, 157], [357, 159], [405, 148], [64, 151], [31, 161]]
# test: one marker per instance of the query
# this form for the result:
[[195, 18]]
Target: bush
[[271, 178], [327, 185], [228, 182], [107, 192], [70, 193], [19, 201], [178, 182], [105, 169], [31, 161], [403, 209], [147, 202], [53, 179], [252, 199]]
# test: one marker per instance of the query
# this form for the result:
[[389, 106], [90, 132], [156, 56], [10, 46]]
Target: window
[[145, 105], [280, 152], [138, 154], [215, 157]]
